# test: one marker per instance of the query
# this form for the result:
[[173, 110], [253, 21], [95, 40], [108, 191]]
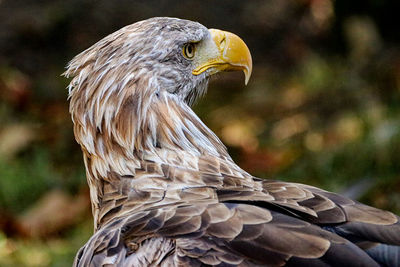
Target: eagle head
[[123, 83]]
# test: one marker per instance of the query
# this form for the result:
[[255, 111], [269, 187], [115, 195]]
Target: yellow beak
[[233, 55]]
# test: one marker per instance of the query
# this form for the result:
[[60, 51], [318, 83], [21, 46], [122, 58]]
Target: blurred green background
[[322, 106]]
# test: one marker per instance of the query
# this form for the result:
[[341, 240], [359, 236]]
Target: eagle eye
[[188, 50]]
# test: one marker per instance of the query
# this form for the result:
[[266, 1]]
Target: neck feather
[[136, 119]]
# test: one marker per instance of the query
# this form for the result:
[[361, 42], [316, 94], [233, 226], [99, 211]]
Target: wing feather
[[219, 219]]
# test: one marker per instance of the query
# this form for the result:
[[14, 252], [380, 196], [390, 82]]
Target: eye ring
[[188, 50]]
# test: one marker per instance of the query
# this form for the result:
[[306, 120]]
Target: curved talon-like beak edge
[[233, 55]]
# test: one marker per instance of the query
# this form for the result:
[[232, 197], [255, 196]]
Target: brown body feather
[[164, 189]]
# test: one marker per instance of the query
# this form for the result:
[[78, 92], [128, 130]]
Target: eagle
[[163, 187]]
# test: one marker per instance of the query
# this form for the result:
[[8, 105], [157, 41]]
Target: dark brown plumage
[[164, 189]]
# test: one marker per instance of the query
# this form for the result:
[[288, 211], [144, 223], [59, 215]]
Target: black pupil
[[189, 49]]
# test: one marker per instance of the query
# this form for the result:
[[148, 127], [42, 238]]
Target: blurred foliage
[[321, 108]]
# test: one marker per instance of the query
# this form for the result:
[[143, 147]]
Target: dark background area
[[322, 106]]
